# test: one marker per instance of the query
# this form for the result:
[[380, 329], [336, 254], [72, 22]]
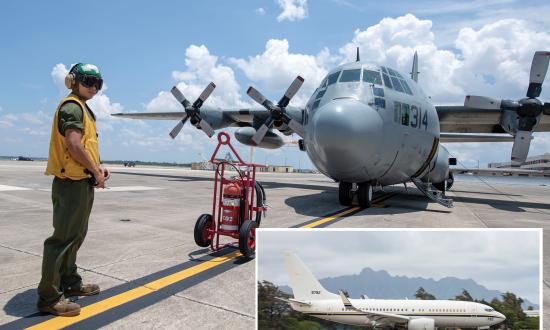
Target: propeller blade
[[296, 127], [291, 91], [520, 149], [205, 126], [261, 132], [539, 67], [176, 130], [481, 102], [179, 96], [204, 95], [256, 95]]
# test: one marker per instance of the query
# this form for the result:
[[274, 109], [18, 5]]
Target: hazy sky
[[144, 47], [499, 260]]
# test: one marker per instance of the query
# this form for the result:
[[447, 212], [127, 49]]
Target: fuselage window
[[387, 81], [405, 114], [372, 77], [333, 78], [397, 85], [350, 75]]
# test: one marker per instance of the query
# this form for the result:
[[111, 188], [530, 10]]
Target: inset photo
[[418, 279]]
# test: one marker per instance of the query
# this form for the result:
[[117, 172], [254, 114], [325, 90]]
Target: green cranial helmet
[[87, 69]]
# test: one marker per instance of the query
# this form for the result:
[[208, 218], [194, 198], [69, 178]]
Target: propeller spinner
[[277, 111], [528, 109], [192, 111]]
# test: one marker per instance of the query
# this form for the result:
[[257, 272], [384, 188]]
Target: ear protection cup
[[70, 78]]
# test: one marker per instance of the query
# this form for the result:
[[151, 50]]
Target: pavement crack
[[138, 256], [22, 251], [546, 283], [215, 306]]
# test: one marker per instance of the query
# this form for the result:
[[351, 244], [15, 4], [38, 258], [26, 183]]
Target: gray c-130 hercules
[[367, 125]]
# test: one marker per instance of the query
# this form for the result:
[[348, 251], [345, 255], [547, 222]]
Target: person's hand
[[99, 179], [106, 173]]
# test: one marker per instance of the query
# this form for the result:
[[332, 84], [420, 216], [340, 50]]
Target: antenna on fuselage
[[414, 70], [358, 59]]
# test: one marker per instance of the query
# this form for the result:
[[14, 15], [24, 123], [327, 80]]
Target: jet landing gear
[[363, 193]]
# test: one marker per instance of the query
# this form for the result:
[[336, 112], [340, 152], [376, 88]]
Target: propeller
[[277, 111], [192, 111], [528, 109]]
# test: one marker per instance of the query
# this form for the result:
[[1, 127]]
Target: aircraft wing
[[462, 119], [380, 318], [496, 171], [473, 137], [218, 118]]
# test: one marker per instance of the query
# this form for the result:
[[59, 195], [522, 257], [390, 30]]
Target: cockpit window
[[384, 70], [387, 81], [394, 73], [397, 85], [350, 75], [406, 87], [489, 310], [333, 78], [372, 77]]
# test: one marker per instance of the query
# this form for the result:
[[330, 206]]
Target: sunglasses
[[90, 81]]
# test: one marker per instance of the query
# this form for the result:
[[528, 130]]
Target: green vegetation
[[277, 314]]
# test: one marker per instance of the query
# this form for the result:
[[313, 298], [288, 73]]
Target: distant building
[[533, 313], [540, 162]]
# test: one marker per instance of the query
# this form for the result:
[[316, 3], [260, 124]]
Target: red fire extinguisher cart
[[238, 204]]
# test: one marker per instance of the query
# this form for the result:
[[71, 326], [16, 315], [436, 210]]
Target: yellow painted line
[[112, 302], [332, 217]]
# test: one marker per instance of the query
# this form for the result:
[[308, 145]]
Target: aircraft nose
[[346, 136]]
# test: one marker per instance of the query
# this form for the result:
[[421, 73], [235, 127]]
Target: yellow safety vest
[[60, 162]]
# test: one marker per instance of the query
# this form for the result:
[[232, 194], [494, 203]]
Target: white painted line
[[12, 188]]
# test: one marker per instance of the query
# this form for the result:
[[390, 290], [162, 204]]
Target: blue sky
[[144, 48]]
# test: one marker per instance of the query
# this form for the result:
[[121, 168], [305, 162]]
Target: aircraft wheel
[[450, 181], [364, 195], [440, 185], [247, 238], [203, 236], [344, 193]]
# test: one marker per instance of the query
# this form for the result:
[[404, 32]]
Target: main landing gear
[[363, 193]]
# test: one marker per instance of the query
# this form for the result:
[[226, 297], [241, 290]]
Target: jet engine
[[438, 173], [421, 324], [270, 141]]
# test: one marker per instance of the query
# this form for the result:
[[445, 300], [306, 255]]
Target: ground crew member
[[74, 161]]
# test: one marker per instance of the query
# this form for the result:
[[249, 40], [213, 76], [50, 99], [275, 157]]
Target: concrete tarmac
[[141, 230]]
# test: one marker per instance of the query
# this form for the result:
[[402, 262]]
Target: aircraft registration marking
[[125, 297]]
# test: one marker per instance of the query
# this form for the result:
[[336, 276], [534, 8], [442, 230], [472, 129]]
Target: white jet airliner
[[311, 298]]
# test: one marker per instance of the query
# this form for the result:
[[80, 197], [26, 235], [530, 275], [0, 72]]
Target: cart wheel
[[203, 224], [260, 200], [247, 238]]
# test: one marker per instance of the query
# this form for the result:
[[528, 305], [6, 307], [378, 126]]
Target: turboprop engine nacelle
[[421, 324], [270, 140], [439, 169]]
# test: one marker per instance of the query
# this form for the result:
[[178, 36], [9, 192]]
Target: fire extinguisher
[[233, 196]]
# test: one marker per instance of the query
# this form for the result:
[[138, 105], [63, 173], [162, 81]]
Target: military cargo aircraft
[[369, 125], [311, 298]]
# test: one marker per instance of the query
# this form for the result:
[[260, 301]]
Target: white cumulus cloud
[[276, 68], [293, 10]]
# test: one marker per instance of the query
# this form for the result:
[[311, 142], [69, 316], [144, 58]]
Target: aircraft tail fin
[[304, 285], [414, 70]]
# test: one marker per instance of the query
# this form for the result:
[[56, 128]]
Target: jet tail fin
[[305, 286], [414, 70]]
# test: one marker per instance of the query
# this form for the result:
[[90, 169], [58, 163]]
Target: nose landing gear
[[363, 193]]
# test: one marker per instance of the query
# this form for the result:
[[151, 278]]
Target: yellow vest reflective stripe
[[60, 162]]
